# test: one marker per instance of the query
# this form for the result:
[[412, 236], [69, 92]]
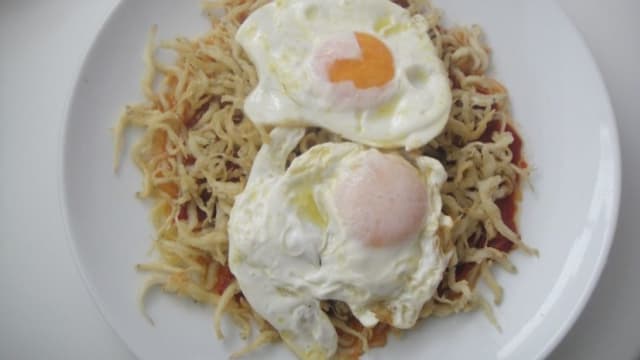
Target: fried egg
[[364, 69], [342, 222]]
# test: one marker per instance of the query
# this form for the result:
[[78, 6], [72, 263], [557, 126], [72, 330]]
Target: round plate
[[570, 214]]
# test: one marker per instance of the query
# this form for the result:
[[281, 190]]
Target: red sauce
[[509, 209], [237, 116], [379, 335], [516, 146], [189, 160], [205, 195], [378, 338], [231, 165], [190, 122], [202, 216], [225, 277], [463, 269], [403, 3], [183, 214], [204, 260], [509, 205]]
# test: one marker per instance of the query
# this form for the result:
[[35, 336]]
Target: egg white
[[281, 39], [289, 250]]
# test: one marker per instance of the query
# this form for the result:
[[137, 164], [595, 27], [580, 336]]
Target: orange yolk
[[374, 69]]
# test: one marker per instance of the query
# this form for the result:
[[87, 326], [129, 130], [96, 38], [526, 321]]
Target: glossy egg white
[[290, 40], [289, 248]]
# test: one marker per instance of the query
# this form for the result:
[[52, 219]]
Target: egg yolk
[[383, 202], [374, 68]]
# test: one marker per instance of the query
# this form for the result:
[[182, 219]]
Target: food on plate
[[364, 69], [321, 230], [314, 176]]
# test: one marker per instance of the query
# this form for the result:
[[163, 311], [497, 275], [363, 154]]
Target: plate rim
[[616, 180]]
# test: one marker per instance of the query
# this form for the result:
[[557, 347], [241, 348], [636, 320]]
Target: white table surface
[[45, 310]]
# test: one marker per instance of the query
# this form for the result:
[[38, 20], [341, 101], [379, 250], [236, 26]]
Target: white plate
[[570, 136]]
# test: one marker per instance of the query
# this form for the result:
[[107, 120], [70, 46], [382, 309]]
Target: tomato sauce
[[462, 270], [403, 3], [508, 205], [378, 338], [225, 277], [516, 146]]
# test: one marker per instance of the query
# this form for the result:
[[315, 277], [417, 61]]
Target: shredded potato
[[198, 147]]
